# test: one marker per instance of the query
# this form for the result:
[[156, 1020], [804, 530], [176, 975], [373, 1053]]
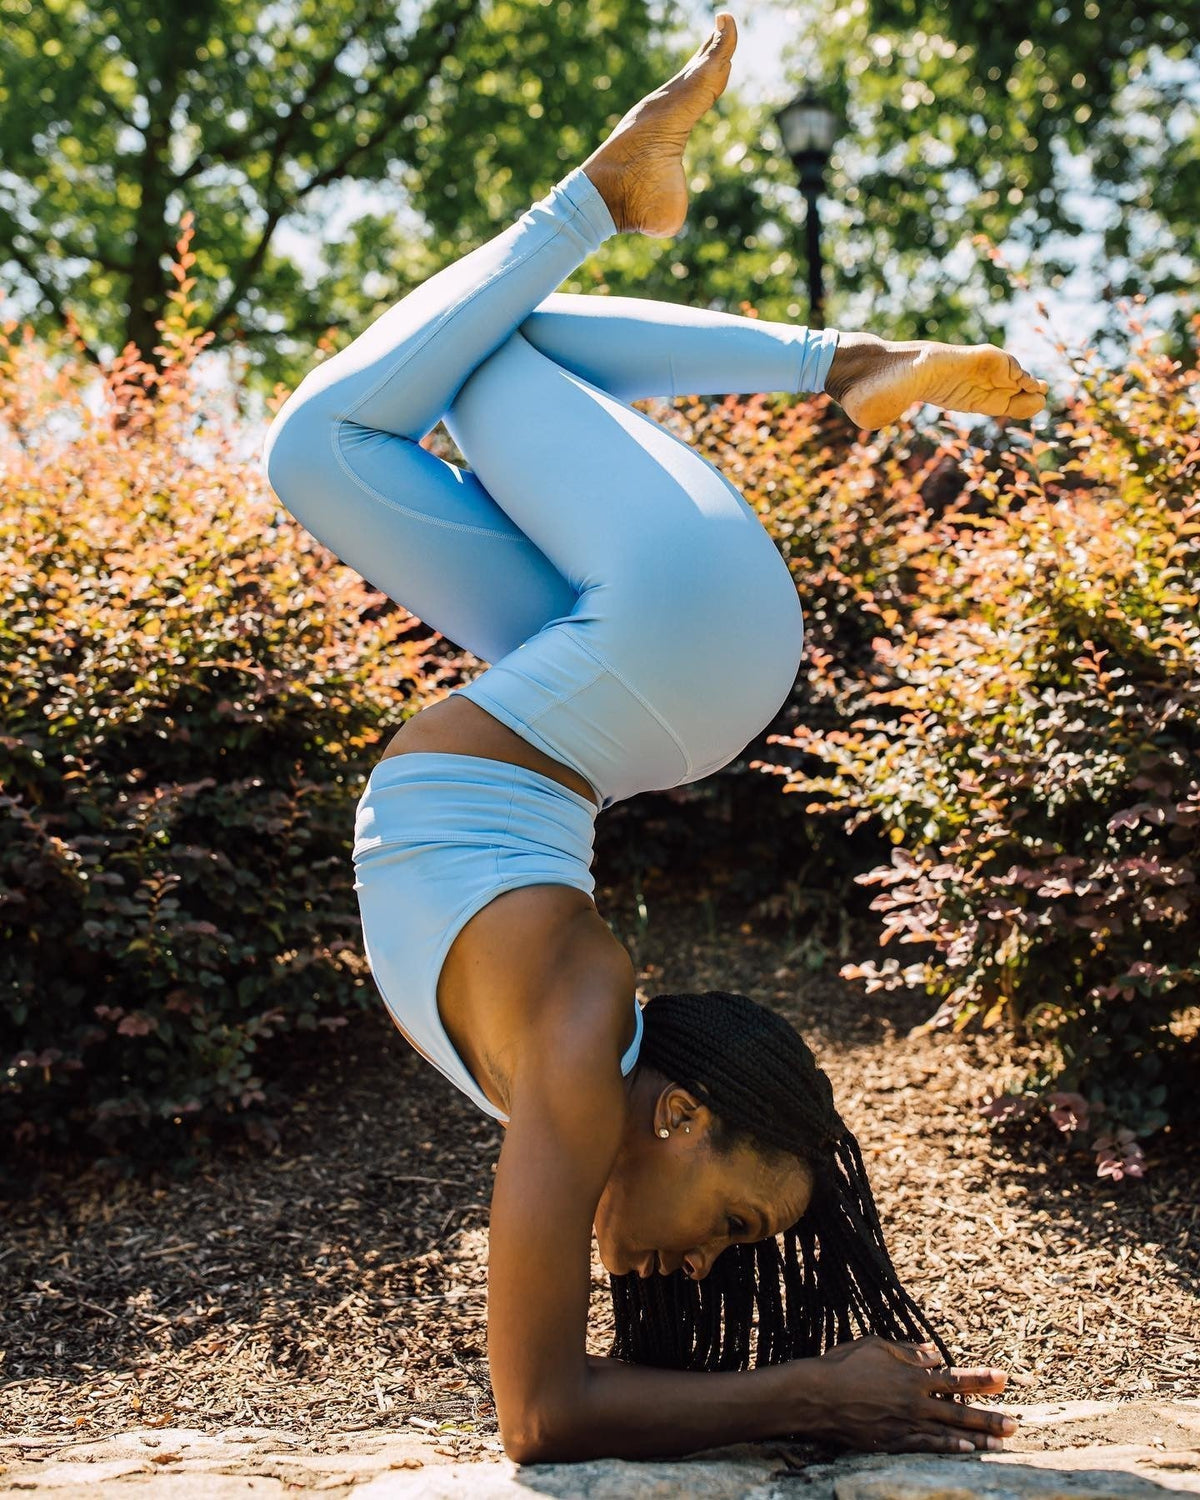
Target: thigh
[[422, 530], [687, 633]]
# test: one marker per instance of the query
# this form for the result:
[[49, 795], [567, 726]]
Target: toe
[[1012, 368], [1026, 404], [997, 368]]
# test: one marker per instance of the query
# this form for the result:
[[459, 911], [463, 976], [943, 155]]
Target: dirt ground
[[337, 1284]]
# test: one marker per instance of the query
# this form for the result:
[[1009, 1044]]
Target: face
[[674, 1203]]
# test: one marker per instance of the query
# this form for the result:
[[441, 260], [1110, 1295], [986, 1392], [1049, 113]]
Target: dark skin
[[674, 1202], [537, 996]]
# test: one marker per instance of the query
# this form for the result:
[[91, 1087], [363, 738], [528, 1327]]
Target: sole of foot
[[638, 171], [975, 379]]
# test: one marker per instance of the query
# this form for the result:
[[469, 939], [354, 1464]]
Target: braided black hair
[[761, 1081]]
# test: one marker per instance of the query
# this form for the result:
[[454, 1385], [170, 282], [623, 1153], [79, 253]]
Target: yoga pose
[[596, 561]]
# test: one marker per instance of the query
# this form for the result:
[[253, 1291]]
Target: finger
[[955, 1382], [922, 1359], [970, 1418], [933, 1442], [921, 1354]]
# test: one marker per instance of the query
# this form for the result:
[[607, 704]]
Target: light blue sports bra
[[437, 837]]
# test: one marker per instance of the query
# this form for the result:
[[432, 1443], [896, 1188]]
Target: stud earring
[[687, 1130], [664, 1132]]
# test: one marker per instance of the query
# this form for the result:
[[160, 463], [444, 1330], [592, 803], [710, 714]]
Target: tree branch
[[72, 248], [236, 147], [448, 34], [249, 267], [51, 295], [66, 30], [254, 335]]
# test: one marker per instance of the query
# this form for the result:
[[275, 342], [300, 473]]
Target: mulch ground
[[337, 1283]]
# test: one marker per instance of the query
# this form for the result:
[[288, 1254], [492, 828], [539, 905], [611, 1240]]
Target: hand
[[889, 1397]]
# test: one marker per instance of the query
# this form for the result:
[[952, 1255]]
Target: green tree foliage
[[120, 115], [117, 116], [965, 118]]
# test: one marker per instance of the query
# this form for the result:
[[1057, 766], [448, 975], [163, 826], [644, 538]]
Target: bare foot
[[875, 382], [639, 169]]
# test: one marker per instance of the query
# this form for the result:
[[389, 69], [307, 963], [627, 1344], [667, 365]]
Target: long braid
[[833, 1280]]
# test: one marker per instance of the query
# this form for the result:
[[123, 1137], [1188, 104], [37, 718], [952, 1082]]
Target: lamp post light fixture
[[809, 128]]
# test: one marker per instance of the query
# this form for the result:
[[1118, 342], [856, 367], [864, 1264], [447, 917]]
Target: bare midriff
[[456, 726]]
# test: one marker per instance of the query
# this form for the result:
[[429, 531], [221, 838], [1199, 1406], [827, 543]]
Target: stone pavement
[[1070, 1450]]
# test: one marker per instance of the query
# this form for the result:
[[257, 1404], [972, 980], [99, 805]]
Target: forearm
[[637, 1411]]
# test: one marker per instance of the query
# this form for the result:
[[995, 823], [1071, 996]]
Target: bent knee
[[289, 447]]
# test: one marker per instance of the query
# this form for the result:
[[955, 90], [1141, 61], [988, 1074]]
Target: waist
[[458, 723]]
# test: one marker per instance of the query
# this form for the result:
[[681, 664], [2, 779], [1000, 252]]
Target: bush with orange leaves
[[1001, 682], [1002, 679], [190, 695], [1025, 729]]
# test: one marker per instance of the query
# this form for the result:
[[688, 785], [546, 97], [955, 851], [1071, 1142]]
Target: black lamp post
[[809, 128]]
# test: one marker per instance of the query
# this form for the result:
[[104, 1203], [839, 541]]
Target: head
[[733, 1145]]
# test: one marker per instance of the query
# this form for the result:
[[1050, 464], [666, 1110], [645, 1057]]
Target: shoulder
[[568, 1108], [576, 1026], [548, 953], [590, 990]]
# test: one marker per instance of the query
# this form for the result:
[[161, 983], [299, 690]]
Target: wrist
[[803, 1407]]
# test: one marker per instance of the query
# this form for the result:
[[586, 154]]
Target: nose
[[697, 1264]]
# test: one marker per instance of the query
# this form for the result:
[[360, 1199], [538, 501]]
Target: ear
[[679, 1112]]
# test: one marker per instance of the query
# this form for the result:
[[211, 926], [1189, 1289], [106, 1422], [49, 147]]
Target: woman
[[598, 564]]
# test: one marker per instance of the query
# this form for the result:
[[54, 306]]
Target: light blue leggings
[[641, 626]]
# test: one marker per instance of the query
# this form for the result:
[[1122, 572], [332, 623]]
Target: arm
[[567, 1109], [554, 1402], [638, 1412], [564, 1126], [868, 1394]]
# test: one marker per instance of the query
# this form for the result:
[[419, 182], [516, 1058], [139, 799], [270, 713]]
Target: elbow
[[521, 1448], [526, 1445], [552, 1423], [538, 1439]]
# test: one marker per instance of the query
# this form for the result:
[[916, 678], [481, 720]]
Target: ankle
[[857, 354], [607, 183]]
